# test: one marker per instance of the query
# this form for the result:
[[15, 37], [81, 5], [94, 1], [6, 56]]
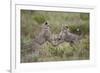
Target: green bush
[[83, 28], [84, 16], [39, 19]]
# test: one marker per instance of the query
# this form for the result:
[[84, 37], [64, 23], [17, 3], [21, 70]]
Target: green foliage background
[[31, 22]]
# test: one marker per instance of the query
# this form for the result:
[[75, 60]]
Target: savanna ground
[[30, 27]]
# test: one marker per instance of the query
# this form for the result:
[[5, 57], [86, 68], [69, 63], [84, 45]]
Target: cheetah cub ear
[[46, 23], [66, 27]]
